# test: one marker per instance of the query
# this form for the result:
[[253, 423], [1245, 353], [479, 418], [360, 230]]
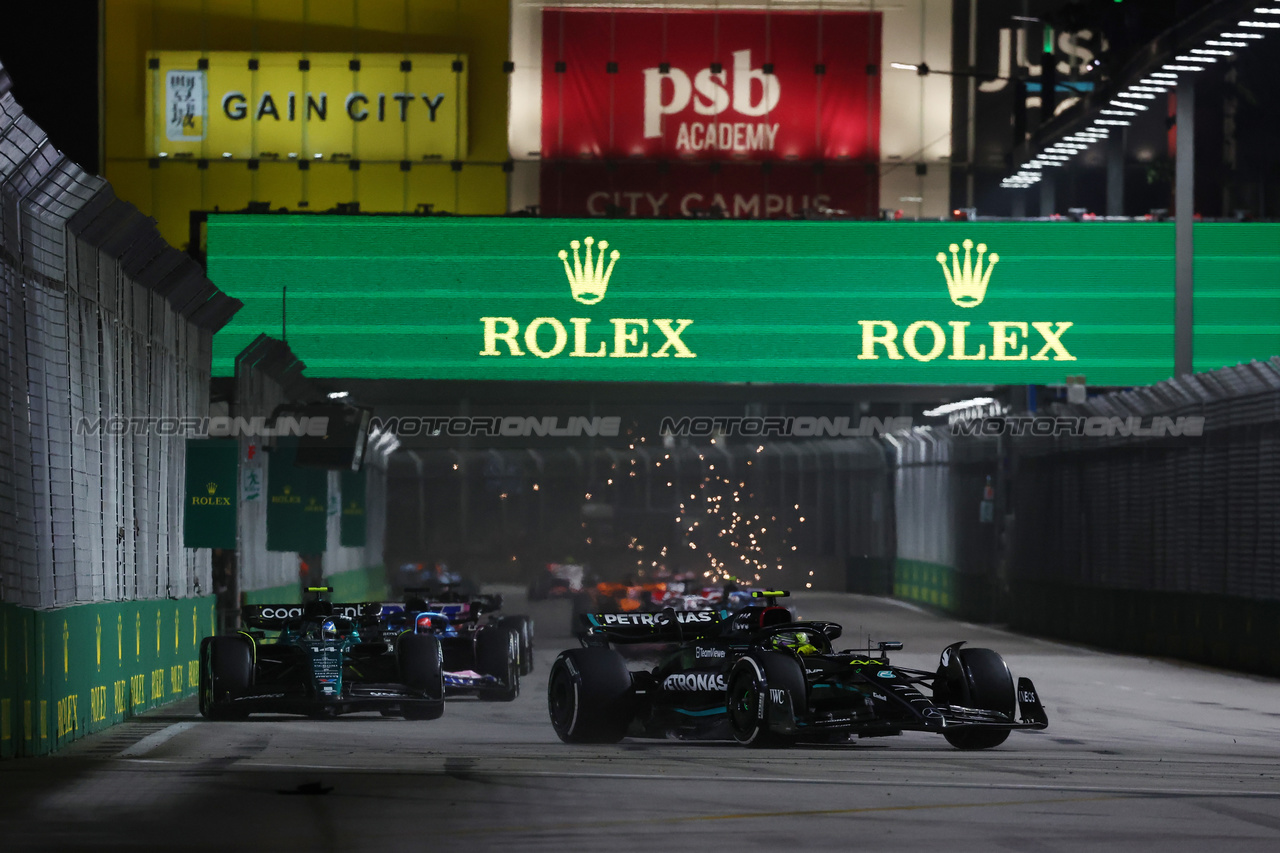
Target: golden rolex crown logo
[[212, 487], [968, 283], [588, 280], [288, 489]]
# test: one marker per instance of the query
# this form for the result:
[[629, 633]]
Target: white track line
[[758, 780], [154, 740]]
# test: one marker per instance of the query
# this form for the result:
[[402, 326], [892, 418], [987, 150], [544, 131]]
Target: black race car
[[764, 680], [469, 612], [485, 653], [320, 659]]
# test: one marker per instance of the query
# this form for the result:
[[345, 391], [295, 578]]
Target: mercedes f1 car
[[764, 680], [483, 651], [321, 659]]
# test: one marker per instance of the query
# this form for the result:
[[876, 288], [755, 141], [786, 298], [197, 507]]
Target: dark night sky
[[50, 49]]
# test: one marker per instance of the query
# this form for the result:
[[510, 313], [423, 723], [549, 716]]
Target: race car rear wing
[[274, 617], [428, 598], [668, 625]]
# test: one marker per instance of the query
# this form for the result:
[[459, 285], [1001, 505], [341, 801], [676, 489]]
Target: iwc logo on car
[[548, 337]]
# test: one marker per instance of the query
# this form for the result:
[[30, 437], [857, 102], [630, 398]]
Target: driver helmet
[[328, 630], [800, 642]]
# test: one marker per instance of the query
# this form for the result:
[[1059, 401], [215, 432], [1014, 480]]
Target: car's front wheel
[[226, 667], [748, 705], [988, 686]]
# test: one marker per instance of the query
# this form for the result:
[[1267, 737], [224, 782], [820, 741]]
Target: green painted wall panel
[[76, 670], [286, 594], [360, 585]]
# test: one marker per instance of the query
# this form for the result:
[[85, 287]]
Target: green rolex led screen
[[823, 302]]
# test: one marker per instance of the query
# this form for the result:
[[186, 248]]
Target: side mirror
[[831, 630], [892, 646]]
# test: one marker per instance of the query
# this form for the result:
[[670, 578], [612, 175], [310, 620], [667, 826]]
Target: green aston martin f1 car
[[315, 659]]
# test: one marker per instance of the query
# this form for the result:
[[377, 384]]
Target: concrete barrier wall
[[967, 595], [1218, 630], [368, 584], [360, 585], [76, 670]]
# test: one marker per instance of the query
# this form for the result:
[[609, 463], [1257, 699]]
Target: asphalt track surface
[[1140, 754]]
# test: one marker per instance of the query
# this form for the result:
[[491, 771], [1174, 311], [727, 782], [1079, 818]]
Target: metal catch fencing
[[1160, 513], [99, 318]]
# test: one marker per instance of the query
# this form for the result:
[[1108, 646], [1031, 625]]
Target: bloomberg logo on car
[[692, 681]]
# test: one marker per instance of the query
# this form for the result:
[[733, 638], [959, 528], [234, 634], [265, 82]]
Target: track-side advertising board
[[689, 301]]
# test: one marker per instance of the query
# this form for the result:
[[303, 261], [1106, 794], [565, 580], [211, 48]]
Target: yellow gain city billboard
[[330, 106]]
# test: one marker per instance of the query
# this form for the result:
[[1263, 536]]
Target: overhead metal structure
[[1214, 34]]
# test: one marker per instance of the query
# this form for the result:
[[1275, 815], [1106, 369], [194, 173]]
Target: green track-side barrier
[[368, 584], [75, 670], [287, 594], [967, 595]]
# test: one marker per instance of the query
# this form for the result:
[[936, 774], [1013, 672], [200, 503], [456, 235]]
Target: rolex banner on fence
[[297, 502], [209, 510], [352, 521]]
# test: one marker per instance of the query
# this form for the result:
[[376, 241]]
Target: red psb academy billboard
[[668, 113]]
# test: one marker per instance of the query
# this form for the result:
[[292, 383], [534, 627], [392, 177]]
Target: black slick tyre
[[226, 668], [988, 686], [590, 696], [498, 654], [747, 699], [418, 658], [523, 626]]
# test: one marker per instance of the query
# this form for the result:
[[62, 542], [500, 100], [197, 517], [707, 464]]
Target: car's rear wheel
[[986, 685], [419, 659], [226, 668], [523, 626], [747, 698], [590, 696], [498, 654]]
